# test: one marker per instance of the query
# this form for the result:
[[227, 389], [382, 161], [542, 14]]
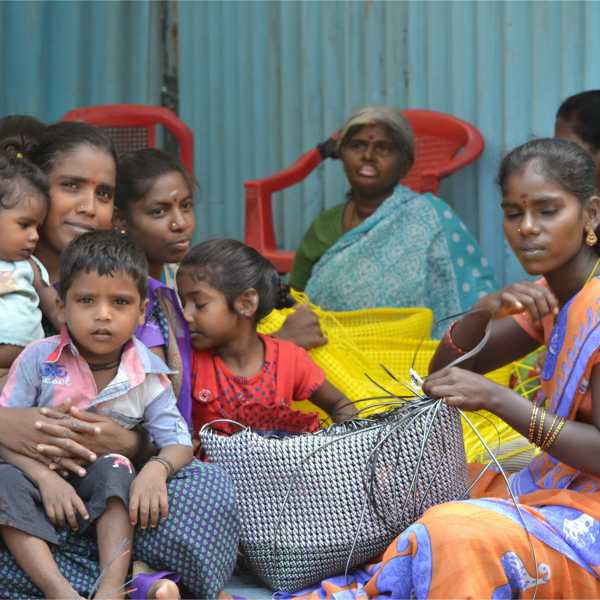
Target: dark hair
[[565, 163], [582, 113], [15, 171], [19, 134], [137, 172], [65, 136], [106, 253], [232, 267]]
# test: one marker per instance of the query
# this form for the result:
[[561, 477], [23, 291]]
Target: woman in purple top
[[155, 208]]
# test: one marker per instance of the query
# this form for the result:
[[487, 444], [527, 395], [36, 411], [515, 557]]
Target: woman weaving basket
[[549, 548], [405, 249]]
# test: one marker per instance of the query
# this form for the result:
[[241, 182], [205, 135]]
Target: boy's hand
[[61, 502], [148, 496]]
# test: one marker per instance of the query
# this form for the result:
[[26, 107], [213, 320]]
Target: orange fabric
[[262, 401], [479, 548]]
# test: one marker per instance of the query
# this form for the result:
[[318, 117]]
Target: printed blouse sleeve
[[308, 376], [535, 329], [531, 328]]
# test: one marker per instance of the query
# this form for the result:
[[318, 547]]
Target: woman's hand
[[464, 389], [525, 296], [23, 430], [302, 328], [149, 502], [97, 433], [61, 502]]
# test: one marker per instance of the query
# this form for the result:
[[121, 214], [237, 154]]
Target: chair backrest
[[444, 144], [133, 127]]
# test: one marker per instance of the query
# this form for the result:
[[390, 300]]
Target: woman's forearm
[[462, 336], [8, 354], [577, 445]]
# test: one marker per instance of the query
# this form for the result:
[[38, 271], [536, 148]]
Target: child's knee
[[113, 467]]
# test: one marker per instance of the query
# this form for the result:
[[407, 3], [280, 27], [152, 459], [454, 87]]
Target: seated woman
[[199, 538], [387, 245], [578, 120], [155, 208], [548, 547]]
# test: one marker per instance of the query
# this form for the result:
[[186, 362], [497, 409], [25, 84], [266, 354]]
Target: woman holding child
[[81, 167]]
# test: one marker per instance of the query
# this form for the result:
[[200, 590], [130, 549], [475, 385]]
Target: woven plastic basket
[[313, 505]]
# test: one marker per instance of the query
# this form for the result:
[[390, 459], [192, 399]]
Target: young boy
[[95, 364]]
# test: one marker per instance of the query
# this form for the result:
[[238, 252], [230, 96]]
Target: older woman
[[387, 245]]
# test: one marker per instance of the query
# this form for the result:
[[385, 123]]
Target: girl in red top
[[226, 288]]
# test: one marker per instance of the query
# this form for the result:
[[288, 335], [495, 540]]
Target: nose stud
[[518, 230]]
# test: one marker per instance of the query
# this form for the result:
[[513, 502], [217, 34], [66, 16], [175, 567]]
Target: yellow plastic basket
[[366, 346], [359, 325]]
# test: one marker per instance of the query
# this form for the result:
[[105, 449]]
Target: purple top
[[151, 334]]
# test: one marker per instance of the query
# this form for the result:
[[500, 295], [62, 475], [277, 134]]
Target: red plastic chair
[[444, 144], [133, 127]]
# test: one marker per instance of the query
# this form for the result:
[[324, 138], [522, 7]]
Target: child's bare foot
[[164, 589]]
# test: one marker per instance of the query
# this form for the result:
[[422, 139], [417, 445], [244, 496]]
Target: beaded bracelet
[[532, 422], [450, 341], [555, 434], [166, 463], [540, 430], [549, 433]]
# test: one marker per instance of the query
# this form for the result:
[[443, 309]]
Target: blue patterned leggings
[[198, 541]]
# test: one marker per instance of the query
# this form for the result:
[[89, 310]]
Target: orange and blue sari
[[479, 548]]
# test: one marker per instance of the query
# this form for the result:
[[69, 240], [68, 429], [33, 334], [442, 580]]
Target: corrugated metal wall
[[55, 56], [260, 82]]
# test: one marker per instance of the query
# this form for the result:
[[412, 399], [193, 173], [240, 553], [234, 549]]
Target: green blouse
[[325, 231]]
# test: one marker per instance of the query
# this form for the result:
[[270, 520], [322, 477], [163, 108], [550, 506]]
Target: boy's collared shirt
[[51, 371]]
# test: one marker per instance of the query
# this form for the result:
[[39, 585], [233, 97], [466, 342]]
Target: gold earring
[[123, 232], [591, 239]]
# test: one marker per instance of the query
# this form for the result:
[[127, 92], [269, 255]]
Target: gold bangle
[[555, 434], [166, 463], [540, 429], [532, 422], [549, 434]]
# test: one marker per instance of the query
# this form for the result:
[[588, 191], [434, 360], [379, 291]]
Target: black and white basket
[[314, 505]]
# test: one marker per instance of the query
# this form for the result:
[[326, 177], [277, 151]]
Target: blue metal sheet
[[262, 82], [60, 55]]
